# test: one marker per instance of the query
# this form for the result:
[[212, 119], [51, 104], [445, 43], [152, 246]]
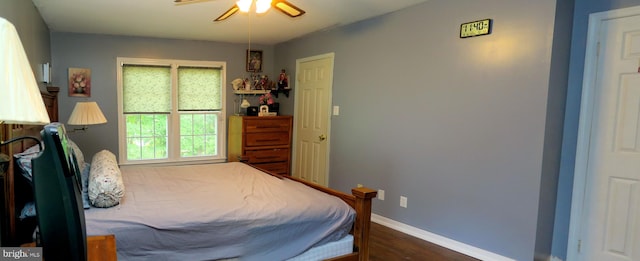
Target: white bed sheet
[[217, 211]]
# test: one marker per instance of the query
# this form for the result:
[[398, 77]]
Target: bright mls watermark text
[[21, 253]]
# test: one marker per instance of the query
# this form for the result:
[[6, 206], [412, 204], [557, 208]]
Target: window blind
[[199, 89], [146, 89]]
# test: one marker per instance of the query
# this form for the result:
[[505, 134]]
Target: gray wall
[[468, 129], [33, 32], [99, 53], [553, 134], [570, 136]]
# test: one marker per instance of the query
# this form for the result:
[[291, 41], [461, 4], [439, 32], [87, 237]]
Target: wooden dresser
[[264, 142]]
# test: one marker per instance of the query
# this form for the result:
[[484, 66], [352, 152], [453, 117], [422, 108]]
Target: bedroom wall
[[469, 130], [99, 53], [570, 136], [33, 32]]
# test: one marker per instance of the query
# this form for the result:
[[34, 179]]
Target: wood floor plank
[[387, 244]]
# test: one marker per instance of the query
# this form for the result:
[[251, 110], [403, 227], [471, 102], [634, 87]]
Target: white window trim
[[173, 125]]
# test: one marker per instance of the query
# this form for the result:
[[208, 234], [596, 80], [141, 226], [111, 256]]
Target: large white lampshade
[[21, 102]]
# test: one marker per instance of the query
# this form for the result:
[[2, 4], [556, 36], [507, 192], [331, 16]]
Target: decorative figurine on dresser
[[261, 141]]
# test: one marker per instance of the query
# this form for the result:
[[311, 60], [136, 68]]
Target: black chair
[[57, 194]]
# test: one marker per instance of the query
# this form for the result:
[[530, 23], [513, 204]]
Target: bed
[[271, 229]]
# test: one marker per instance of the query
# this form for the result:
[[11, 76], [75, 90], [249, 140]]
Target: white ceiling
[[165, 19]]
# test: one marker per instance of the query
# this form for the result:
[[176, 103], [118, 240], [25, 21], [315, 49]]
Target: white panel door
[[313, 93], [611, 215]]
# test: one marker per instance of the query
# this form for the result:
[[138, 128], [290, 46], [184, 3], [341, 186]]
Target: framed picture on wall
[[79, 82], [254, 61]]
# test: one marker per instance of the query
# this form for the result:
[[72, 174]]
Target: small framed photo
[[254, 61], [79, 82]]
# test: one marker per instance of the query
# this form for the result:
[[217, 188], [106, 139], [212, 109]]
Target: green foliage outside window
[[198, 134], [146, 136]]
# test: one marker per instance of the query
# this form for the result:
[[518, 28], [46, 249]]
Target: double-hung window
[[170, 110]]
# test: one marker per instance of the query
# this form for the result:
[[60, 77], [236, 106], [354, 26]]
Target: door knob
[[322, 137]]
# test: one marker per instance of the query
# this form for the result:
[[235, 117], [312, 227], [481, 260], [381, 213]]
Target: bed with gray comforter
[[217, 211]]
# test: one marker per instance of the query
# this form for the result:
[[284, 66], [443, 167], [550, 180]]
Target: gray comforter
[[216, 211]]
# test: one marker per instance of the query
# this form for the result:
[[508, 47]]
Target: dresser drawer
[[274, 124], [278, 167], [267, 139], [267, 155]]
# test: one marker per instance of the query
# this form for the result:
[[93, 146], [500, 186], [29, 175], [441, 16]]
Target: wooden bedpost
[[363, 221], [360, 200]]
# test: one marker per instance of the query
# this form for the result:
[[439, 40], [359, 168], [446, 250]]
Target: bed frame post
[[363, 220]]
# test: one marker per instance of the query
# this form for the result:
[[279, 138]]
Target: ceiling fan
[[261, 7]]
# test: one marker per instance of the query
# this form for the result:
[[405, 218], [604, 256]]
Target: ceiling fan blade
[[234, 9], [181, 2], [287, 8]]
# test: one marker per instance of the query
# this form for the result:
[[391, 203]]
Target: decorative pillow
[[105, 181], [78, 152], [84, 168], [85, 185], [24, 160], [29, 210]]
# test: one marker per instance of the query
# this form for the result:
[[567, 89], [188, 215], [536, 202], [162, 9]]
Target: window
[[170, 110]]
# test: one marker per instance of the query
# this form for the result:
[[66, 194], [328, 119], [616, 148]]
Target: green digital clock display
[[475, 28]]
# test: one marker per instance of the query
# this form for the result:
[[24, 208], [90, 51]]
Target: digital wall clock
[[475, 28]]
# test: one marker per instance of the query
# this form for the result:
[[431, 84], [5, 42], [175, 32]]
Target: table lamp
[[20, 94], [21, 99], [86, 113]]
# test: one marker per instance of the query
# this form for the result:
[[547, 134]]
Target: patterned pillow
[[29, 210], [78, 152], [85, 185], [24, 160], [105, 181], [84, 172]]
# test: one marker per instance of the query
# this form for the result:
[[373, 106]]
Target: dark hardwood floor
[[387, 244]]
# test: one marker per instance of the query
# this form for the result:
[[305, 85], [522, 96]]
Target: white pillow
[[105, 181]]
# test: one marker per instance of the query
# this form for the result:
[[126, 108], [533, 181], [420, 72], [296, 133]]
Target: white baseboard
[[439, 240]]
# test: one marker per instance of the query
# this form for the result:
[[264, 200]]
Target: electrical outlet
[[359, 185], [403, 201], [381, 194]]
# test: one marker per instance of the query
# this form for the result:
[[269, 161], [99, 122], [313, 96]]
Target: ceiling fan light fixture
[[262, 6], [244, 5], [228, 13], [288, 8]]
